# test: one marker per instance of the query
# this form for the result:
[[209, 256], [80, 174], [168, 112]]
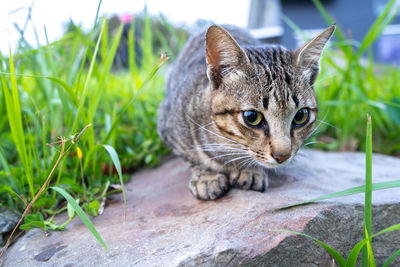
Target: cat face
[[262, 97]]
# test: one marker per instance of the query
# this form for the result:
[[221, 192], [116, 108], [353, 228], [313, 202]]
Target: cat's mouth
[[272, 162]]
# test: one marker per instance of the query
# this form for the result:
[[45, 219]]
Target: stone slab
[[166, 226]]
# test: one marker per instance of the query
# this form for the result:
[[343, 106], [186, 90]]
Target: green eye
[[301, 117], [252, 118]]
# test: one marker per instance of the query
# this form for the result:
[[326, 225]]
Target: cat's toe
[[209, 187], [249, 180], [259, 182]]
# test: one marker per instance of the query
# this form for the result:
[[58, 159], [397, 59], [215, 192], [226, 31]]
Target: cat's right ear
[[308, 56], [223, 54]]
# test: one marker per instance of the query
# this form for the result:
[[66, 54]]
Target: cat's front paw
[[248, 180], [208, 185]]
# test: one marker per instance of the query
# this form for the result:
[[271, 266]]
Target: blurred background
[[265, 18], [55, 15]]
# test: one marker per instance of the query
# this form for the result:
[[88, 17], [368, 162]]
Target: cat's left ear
[[307, 57]]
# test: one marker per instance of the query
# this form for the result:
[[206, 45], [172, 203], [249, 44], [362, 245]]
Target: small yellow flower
[[79, 152]]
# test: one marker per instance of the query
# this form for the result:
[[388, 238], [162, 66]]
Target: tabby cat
[[234, 108]]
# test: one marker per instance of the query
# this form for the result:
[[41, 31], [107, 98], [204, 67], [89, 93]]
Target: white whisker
[[313, 142], [238, 158], [244, 163], [201, 127], [229, 154], [326, 123], [205, 125]]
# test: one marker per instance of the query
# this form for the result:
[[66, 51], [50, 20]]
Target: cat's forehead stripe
[[295, 100], [265, 102]]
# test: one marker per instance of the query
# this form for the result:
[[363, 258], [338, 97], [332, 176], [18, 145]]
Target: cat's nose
[[280, 158]]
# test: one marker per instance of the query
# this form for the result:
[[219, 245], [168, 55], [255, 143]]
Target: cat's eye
[[301, 117], [252, 118]]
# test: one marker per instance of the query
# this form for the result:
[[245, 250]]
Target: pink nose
[[280, 157]]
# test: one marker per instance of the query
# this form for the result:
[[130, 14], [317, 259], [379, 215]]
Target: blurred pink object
[[126, 18]]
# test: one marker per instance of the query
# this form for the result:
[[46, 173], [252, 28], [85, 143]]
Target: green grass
[[48, 94], [348, 88], [351, 85]]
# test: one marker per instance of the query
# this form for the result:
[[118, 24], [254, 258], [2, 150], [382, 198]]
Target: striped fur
[[219, 75]]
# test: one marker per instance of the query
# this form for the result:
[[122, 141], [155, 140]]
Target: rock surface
[[166, 226], [8, 220]]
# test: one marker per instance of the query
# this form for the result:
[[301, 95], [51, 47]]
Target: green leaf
[[37, 224], [13, 108], [33, 221], [85, 86], [25, 227], [352, 258], [33, 217], [148, 78], [350, 191], [377, 28], [367, 255], [370, 261], [391, 258], [70, 209], [338, 32], [54, 227], [81, 214], [114, 157], [336, 255], [3, 162], [393, 110], [148, 158], [63, 84], [93, 208], [45, 202]]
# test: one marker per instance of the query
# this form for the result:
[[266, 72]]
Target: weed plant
[[50, 93]]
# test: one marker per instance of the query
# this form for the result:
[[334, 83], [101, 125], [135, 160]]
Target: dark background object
[[354, 17]]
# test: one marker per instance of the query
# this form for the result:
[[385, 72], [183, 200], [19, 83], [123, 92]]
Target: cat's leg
[[256, 180], [207, 184]]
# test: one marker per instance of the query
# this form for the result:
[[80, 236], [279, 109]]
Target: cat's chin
[[273, 165]]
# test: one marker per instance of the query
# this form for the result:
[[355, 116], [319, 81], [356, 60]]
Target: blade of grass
[[391, 258], [368, 193], [161, 61], [6, 188], [114, 156], [81, 214], [352, 258], [347, 192], [95, 98], [370, 253], [94, 101], [329, 19], [15, 122], [147, 40], [347, 49], [97, 13], [294, 27], [6, 168], [66, 87], [132, 52], [336, 255], [88, 41], [377, 28], [84, 92]]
